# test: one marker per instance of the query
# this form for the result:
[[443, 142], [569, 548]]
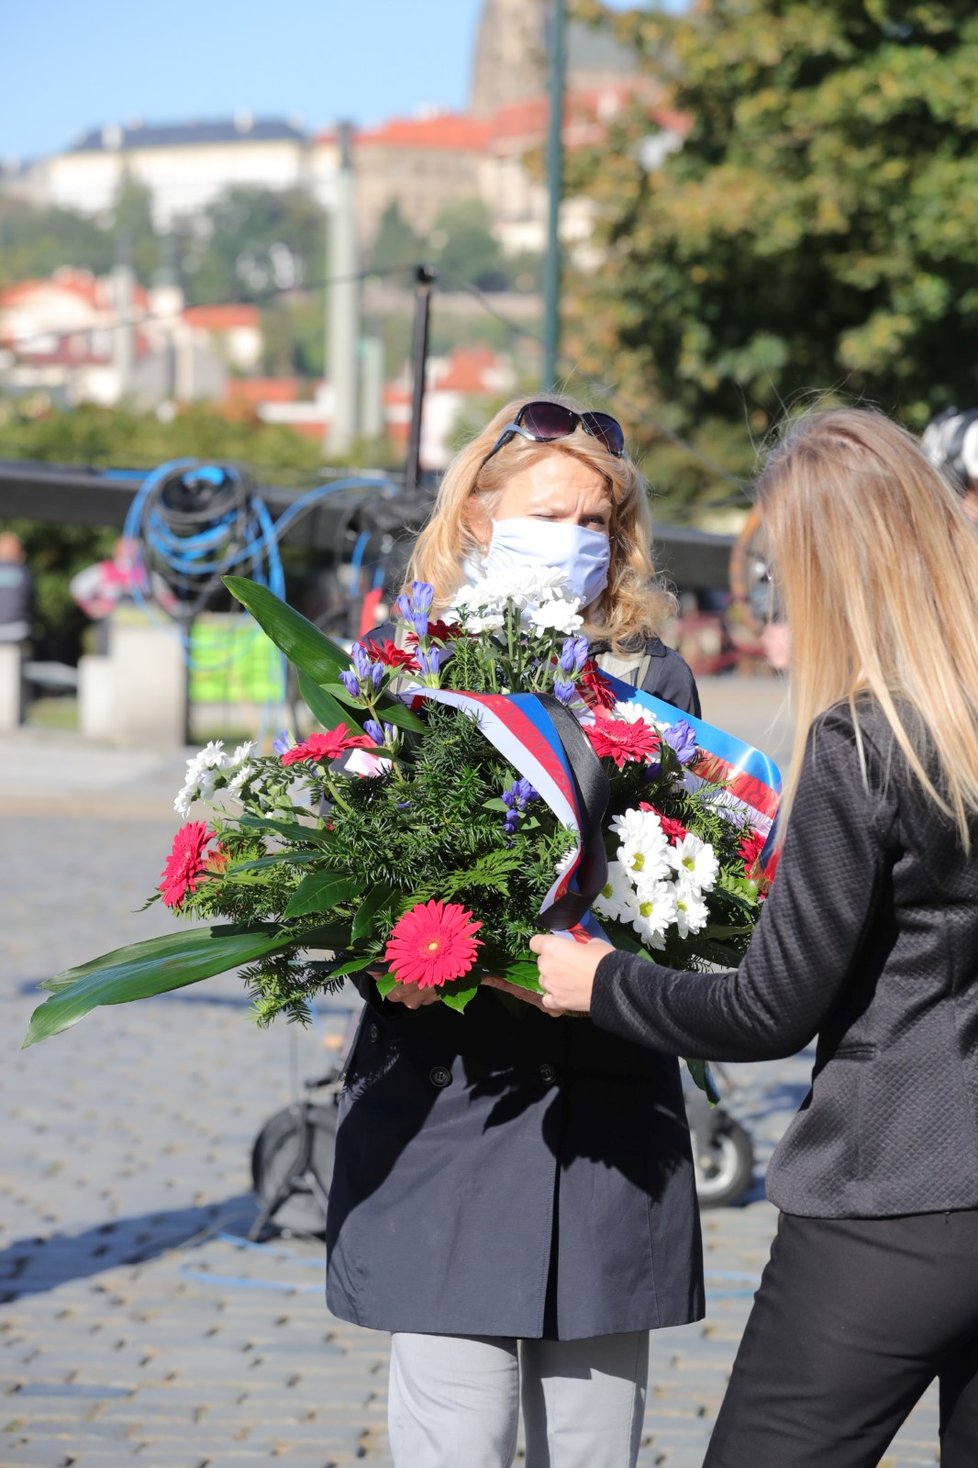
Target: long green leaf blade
[[324, 707], [156, 966], [303, 644], [375, 899], [319, 892]]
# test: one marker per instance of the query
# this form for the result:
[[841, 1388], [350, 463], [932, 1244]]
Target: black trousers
[[853, 1320]]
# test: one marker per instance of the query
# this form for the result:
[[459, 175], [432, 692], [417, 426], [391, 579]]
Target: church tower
[[511, 55], [510, 61]]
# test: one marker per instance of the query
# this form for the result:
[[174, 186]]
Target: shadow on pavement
[[31, 1266]]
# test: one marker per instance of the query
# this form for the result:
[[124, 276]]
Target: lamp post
[[555, 169]]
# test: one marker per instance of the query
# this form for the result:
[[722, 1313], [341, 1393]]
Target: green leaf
[[319, 892], [292, 831], [374, 901], [323, 706], [277, 858], [457, 996], [702, 1077], [310, 650], [355, 965], [495, 804], [394, 712], [523, 972], [385, 984], [155, 966]]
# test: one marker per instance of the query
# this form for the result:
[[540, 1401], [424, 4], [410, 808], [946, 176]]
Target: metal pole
[[425, 277], [342, 328], [122, 301], [555, 170]]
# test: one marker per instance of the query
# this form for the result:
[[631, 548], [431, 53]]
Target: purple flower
[[517, 798], [422, 595], [404, 608], [574, 654], [564, 691], [351, 683], [430, 660], [681, 739], [361, 659], [381, 735], [419, 621], [283, 742]]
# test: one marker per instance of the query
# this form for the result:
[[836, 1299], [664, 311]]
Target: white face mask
[[584, 556]]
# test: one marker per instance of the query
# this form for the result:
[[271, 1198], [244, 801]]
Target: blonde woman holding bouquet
[[869, 940], [513, 1199]]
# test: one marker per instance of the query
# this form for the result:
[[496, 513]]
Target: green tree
[[816, 232], [396, 246], [132, 229], [35, 241], [253, 242], [465, 249]]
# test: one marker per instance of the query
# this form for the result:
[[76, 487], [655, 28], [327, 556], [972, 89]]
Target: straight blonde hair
[[632, 607], [878, 567]]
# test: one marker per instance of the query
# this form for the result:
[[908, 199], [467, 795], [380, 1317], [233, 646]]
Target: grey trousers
[[454, 1400]]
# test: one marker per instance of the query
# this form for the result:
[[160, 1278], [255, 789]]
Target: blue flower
[[564, 691], [681, 739], [517, 798], [431, 660], [361, 659], [574, 654], [283, 742], [351, 683], [419, 621], [422, 595], [373, 731]]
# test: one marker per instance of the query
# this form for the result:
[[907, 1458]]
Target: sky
[[70, 67]]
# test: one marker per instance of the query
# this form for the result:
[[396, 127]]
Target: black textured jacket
[[503, 1173], [869, 939]]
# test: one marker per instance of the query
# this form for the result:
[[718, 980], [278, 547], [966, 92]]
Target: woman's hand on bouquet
[[407, 994], [567, 971]]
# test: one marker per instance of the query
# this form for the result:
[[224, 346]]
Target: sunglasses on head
[[544, 422]]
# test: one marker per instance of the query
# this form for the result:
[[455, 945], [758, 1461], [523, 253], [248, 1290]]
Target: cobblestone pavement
[[138, 1326]]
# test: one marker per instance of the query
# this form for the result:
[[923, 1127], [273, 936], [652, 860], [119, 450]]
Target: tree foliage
[[816, 232]]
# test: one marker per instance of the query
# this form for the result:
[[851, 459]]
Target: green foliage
[[465, 249], [816, 233], [252, 242]]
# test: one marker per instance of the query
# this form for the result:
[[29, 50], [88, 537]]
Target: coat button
[[373, 1032], [548, 1074], [439, 1076]]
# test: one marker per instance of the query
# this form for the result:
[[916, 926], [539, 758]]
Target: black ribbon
[[593, 791]]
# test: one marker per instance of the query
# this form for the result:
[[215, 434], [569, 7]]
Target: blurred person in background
[[16, 591], [951, 444]]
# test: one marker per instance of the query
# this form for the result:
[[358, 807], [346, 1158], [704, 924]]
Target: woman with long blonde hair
[[869, 940], [514, 1199]]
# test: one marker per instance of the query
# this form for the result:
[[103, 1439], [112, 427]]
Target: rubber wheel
[[724, 1169], [275, 1154]]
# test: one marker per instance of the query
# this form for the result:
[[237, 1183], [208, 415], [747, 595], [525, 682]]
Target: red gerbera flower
[[749, 849], [188, 862], [440, 631], [392, 656], [432, 943], [618, 740], [328, 746], [675, 830], [593, 687]]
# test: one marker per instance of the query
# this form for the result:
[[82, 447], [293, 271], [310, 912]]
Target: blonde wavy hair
[[632, 607], [878, 567]]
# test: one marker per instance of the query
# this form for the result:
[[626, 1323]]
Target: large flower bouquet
[[471, 780]]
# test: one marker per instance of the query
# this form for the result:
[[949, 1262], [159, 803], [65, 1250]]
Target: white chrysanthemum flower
[[695, 862], [646, 865], [555, 616], [632, 712], [653, 912], [186, 796], [243, 752], [616, 899], [242, 775], [692, 913]]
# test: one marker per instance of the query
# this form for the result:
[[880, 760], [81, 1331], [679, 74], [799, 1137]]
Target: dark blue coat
[[505, 1173]]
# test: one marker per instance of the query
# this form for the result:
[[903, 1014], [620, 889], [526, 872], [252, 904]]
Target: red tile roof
[[449, 131], [222, 318]]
